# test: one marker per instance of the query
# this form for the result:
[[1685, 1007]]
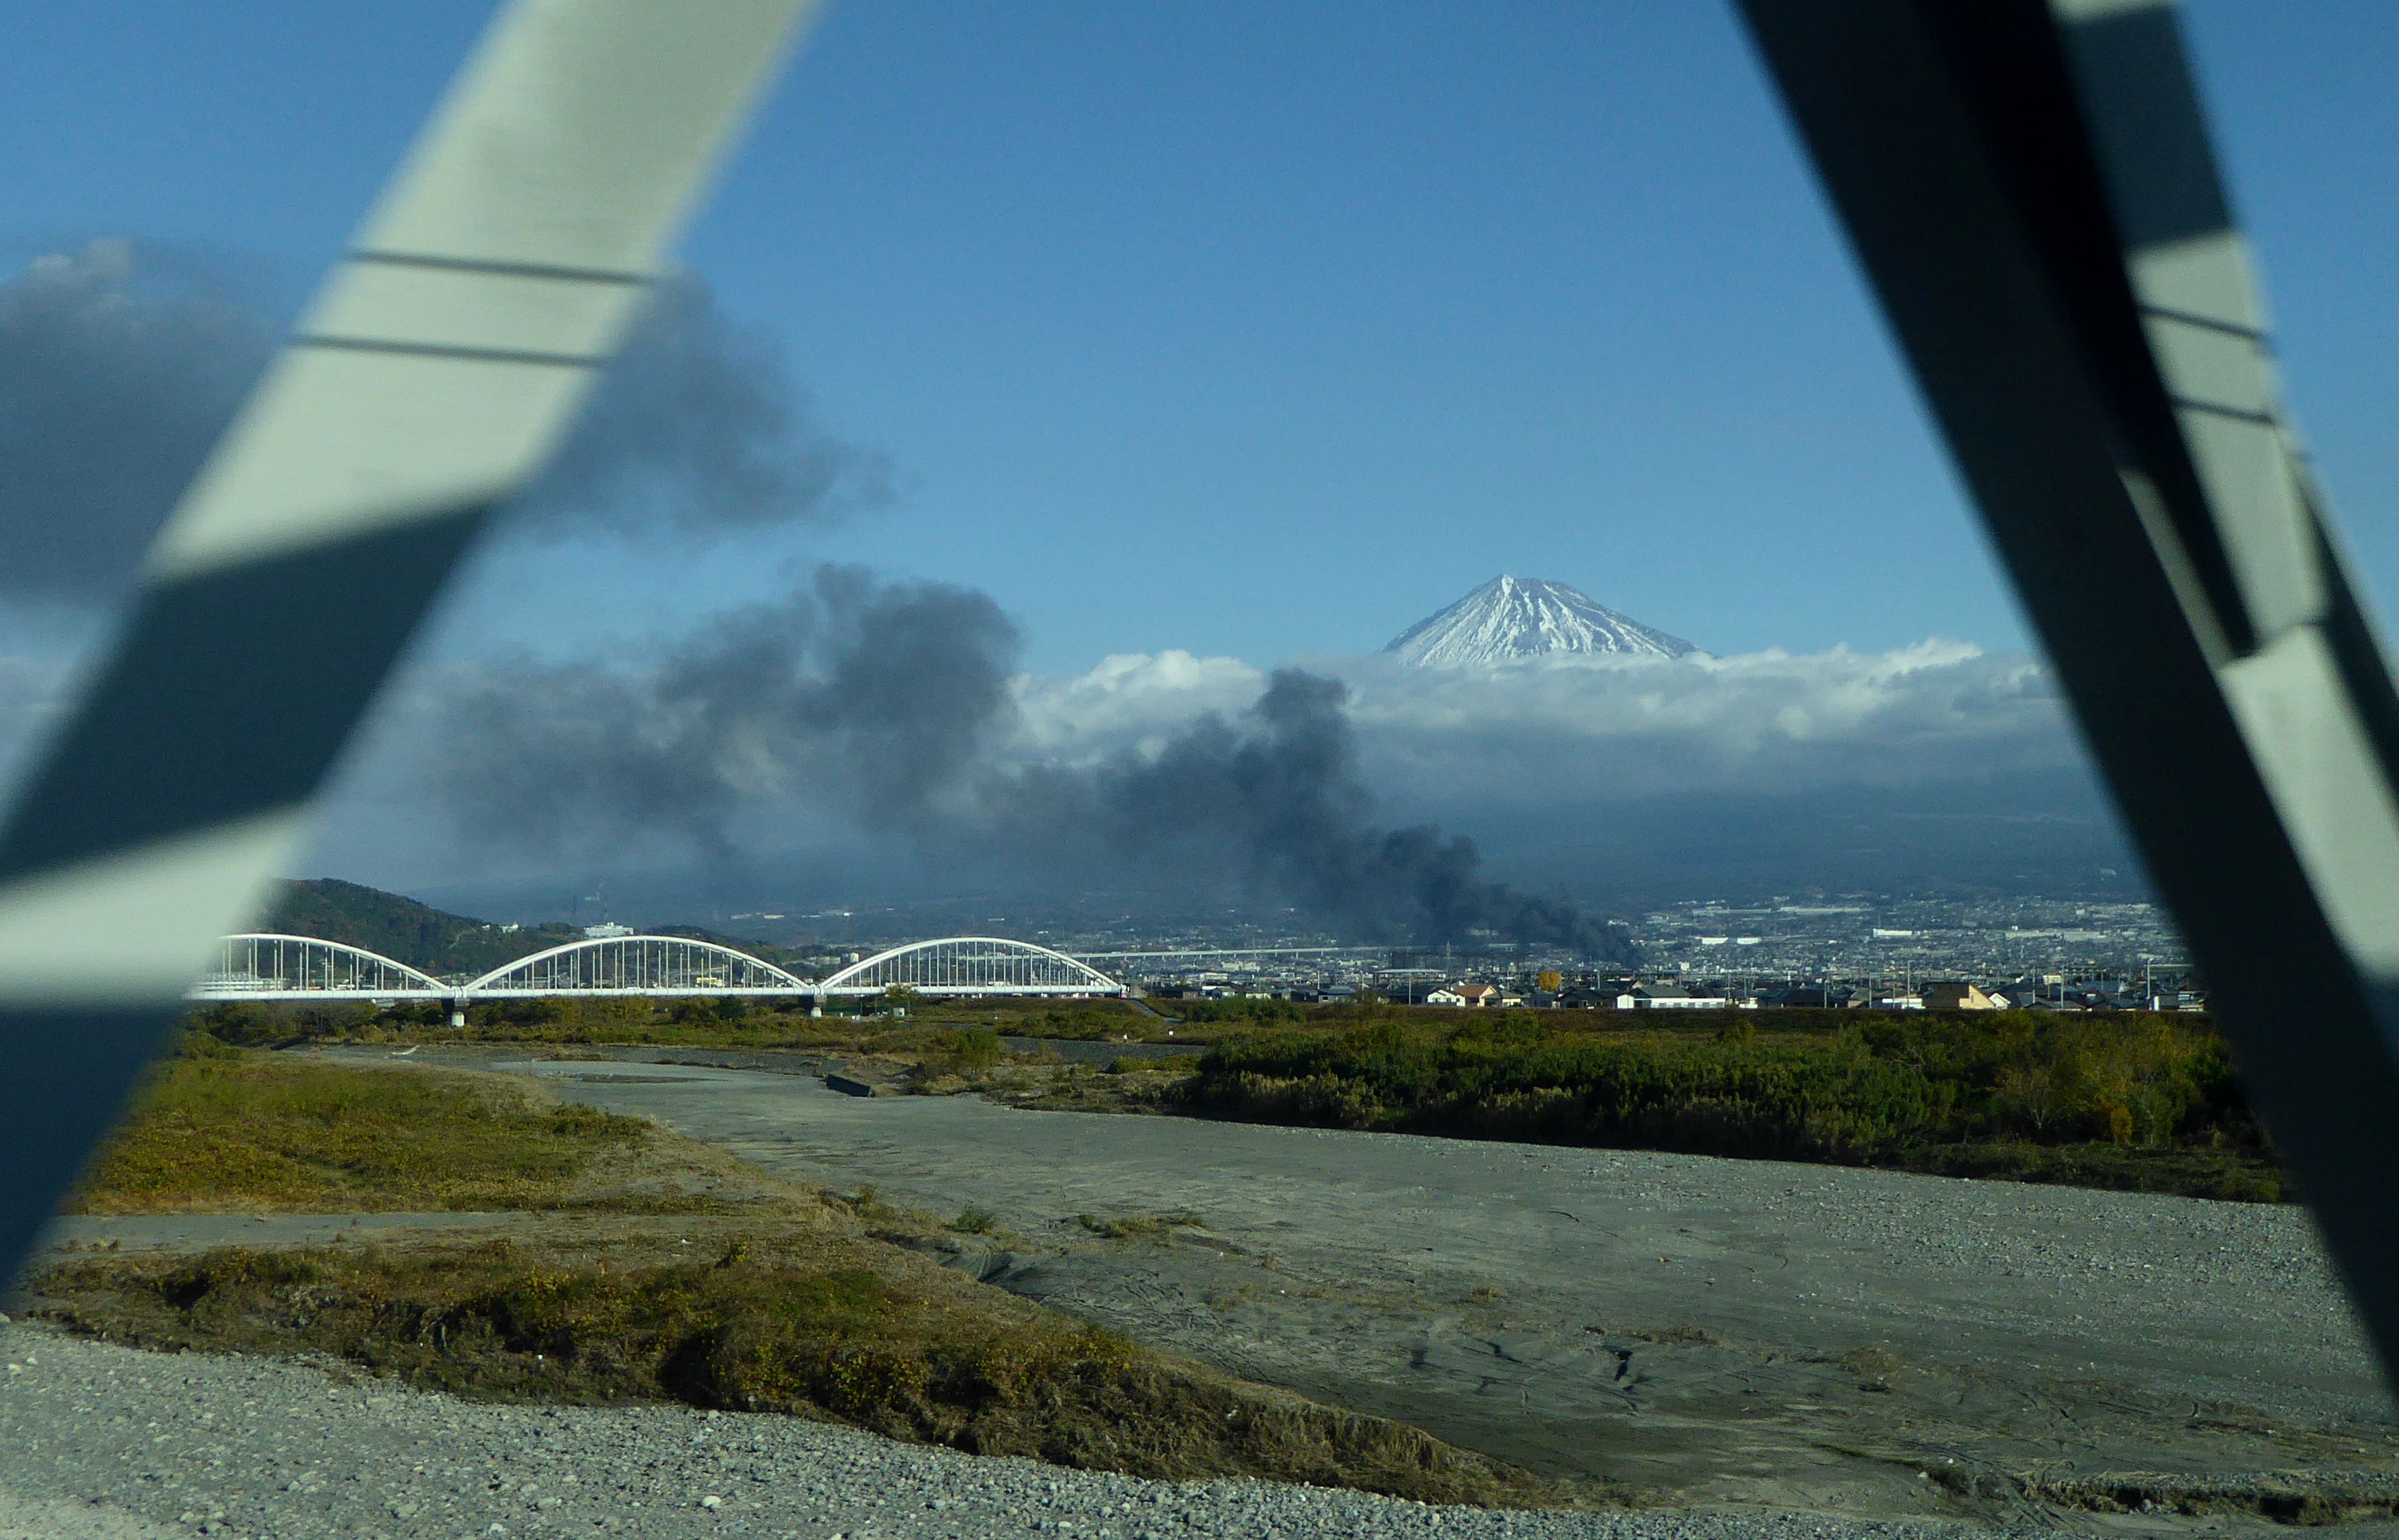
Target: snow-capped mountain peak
[[1510, 619]]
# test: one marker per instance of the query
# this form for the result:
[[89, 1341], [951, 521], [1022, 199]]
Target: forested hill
[[403, 929], [435, 940]]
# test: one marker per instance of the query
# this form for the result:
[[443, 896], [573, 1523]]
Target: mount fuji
[[1510, 619]]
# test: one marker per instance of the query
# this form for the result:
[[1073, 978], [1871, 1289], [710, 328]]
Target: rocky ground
[[99, 1442], [1705, 1330]]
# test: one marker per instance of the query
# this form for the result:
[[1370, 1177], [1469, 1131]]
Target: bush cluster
[[970, 1052], [1918, 1091]]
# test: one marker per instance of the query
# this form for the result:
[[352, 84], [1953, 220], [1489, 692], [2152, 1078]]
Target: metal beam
[[2033, 196], [436, 371]]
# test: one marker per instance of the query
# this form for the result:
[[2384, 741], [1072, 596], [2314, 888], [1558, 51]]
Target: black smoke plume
[[700, 428], [865, 698], [881, 703], [1279, 796], [120, 365]]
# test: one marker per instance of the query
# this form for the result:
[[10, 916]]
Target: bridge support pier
[[458, 1011]]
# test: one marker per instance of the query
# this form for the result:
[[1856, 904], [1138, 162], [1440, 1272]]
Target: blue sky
[[1264, 329]]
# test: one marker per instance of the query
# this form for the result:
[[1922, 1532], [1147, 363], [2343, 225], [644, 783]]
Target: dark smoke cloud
[[865, 698], [121, 364], [881, 702], [1280, 796], [700, 429]]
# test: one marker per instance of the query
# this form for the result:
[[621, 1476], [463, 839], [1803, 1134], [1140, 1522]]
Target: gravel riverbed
[[1704, 1332], [102, 1442], [1744, 1343]]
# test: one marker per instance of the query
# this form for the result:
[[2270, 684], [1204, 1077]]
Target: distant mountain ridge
[[1512, 619]]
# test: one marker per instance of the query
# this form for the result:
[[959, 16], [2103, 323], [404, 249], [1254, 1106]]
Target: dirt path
[[1710, 1331]]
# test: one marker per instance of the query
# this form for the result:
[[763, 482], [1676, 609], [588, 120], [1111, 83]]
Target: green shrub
[[250, 1024], [973, 1051]]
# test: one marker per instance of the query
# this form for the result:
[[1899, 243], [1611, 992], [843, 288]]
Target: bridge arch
[[970, 965], [264, 966], [637, 965]]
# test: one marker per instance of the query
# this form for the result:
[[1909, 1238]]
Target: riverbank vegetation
[[2136, 1102]]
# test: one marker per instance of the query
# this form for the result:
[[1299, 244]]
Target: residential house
[[1960, 996]]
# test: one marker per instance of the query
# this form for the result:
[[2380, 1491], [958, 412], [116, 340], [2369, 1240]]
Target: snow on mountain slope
[[1510, 619]]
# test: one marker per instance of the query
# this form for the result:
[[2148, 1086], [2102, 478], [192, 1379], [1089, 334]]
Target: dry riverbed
[[1698, 1330], [1748, 1337]]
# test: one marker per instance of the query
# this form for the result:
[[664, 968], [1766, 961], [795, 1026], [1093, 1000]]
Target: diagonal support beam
[[2031, 190], [435, 372]]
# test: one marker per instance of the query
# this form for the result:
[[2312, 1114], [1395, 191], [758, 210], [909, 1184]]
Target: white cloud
[[1769, 722], [1576, 732], [1132, 701]]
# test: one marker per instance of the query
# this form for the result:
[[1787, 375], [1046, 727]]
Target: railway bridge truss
[[268, 967]]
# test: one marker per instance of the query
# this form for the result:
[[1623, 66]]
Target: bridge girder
[[955, 965], [237, 976], [637, 965], [658, 966]]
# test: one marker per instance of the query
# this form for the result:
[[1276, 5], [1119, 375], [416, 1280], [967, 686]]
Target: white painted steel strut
[[2030, 187], [437, 370]]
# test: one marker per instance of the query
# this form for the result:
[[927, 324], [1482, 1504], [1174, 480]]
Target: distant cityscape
[[1892, 951]]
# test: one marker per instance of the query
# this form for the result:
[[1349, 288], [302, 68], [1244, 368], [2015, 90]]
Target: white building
[[1670, 997]]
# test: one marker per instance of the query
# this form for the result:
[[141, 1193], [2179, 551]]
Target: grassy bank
[[216, 1130], [649, 1268], [801, 1326], [2138, 1102]]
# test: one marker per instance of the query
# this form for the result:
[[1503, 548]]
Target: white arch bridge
[[266, 966]]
